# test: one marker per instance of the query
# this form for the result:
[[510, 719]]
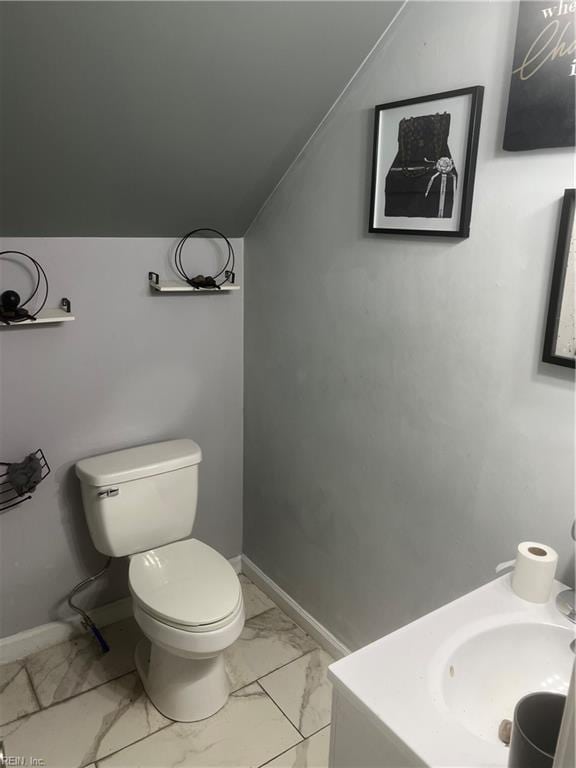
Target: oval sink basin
[[435, 692], [488, 673]]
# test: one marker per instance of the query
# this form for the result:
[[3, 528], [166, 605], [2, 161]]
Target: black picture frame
[[565, 239], [475, 95]]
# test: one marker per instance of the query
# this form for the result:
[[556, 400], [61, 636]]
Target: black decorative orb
[[9, 300]]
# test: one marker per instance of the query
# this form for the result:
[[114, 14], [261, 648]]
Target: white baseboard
[[323, 636], [236, 563], [36, 639]]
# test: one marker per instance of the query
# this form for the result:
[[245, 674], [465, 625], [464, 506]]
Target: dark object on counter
[[25, 475], [535, 730]]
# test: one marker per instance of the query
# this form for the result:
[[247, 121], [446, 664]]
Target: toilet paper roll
[[534, 571]]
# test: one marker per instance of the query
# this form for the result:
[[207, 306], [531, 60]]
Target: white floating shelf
[[179, 286], [44, 317]]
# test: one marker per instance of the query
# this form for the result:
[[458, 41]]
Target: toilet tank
[[140, 498]]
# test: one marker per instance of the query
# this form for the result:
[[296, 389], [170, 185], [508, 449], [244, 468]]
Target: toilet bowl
[[188, 603], [187, 599]]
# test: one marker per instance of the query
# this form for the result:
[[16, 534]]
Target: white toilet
[[141, 502]]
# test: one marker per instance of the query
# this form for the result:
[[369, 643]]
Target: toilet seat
[[196, 628], [186, 585]]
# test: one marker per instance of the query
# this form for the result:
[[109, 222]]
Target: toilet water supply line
[[87, 622]]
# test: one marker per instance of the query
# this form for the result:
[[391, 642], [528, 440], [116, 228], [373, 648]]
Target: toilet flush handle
[[109, 492]]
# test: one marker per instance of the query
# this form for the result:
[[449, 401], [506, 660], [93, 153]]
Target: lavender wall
[[132, 368], [402, 435]]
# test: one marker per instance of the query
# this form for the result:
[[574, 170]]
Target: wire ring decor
[[40, 287], [228, 268]]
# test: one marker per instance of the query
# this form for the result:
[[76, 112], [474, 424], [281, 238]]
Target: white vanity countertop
[[401, 680]]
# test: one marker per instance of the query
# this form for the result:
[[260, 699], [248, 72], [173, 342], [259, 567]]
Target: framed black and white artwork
[[560, 335], [424, 162]]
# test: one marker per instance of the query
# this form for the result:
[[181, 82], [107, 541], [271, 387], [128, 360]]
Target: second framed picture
[[560, 337], [424, 162]]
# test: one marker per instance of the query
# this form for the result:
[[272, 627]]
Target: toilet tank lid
[[135, 463]]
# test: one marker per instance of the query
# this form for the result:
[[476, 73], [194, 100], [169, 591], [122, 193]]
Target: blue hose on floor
[[97, 634], [87, 622]]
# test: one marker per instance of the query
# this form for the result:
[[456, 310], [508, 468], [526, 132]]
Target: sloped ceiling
[[152, 118]]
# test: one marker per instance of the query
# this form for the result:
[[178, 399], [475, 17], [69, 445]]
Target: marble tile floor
[[70, 707]]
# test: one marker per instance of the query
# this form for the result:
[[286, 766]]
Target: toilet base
[[182, 689]]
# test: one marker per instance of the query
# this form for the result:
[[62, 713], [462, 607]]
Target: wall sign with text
[[541, 106]]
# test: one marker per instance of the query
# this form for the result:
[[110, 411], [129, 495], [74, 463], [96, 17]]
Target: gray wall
[[401, 434], [132, 368], [148, 118]]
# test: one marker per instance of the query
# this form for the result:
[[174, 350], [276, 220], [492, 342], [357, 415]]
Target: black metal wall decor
[[14, 309], [220, 278], [19, 479], [424, 163], [541, 104], [560, 335]]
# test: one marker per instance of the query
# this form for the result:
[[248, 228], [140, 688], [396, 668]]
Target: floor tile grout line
[[7, 683], [101, 760], [276, 669], [328, 725], [25, 661], [279, 708], [298, 658], [98, 762], [76, 695], [257, 679], [35, 697], [308, 653], [267, 610], [295, 745], [32, 686]]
